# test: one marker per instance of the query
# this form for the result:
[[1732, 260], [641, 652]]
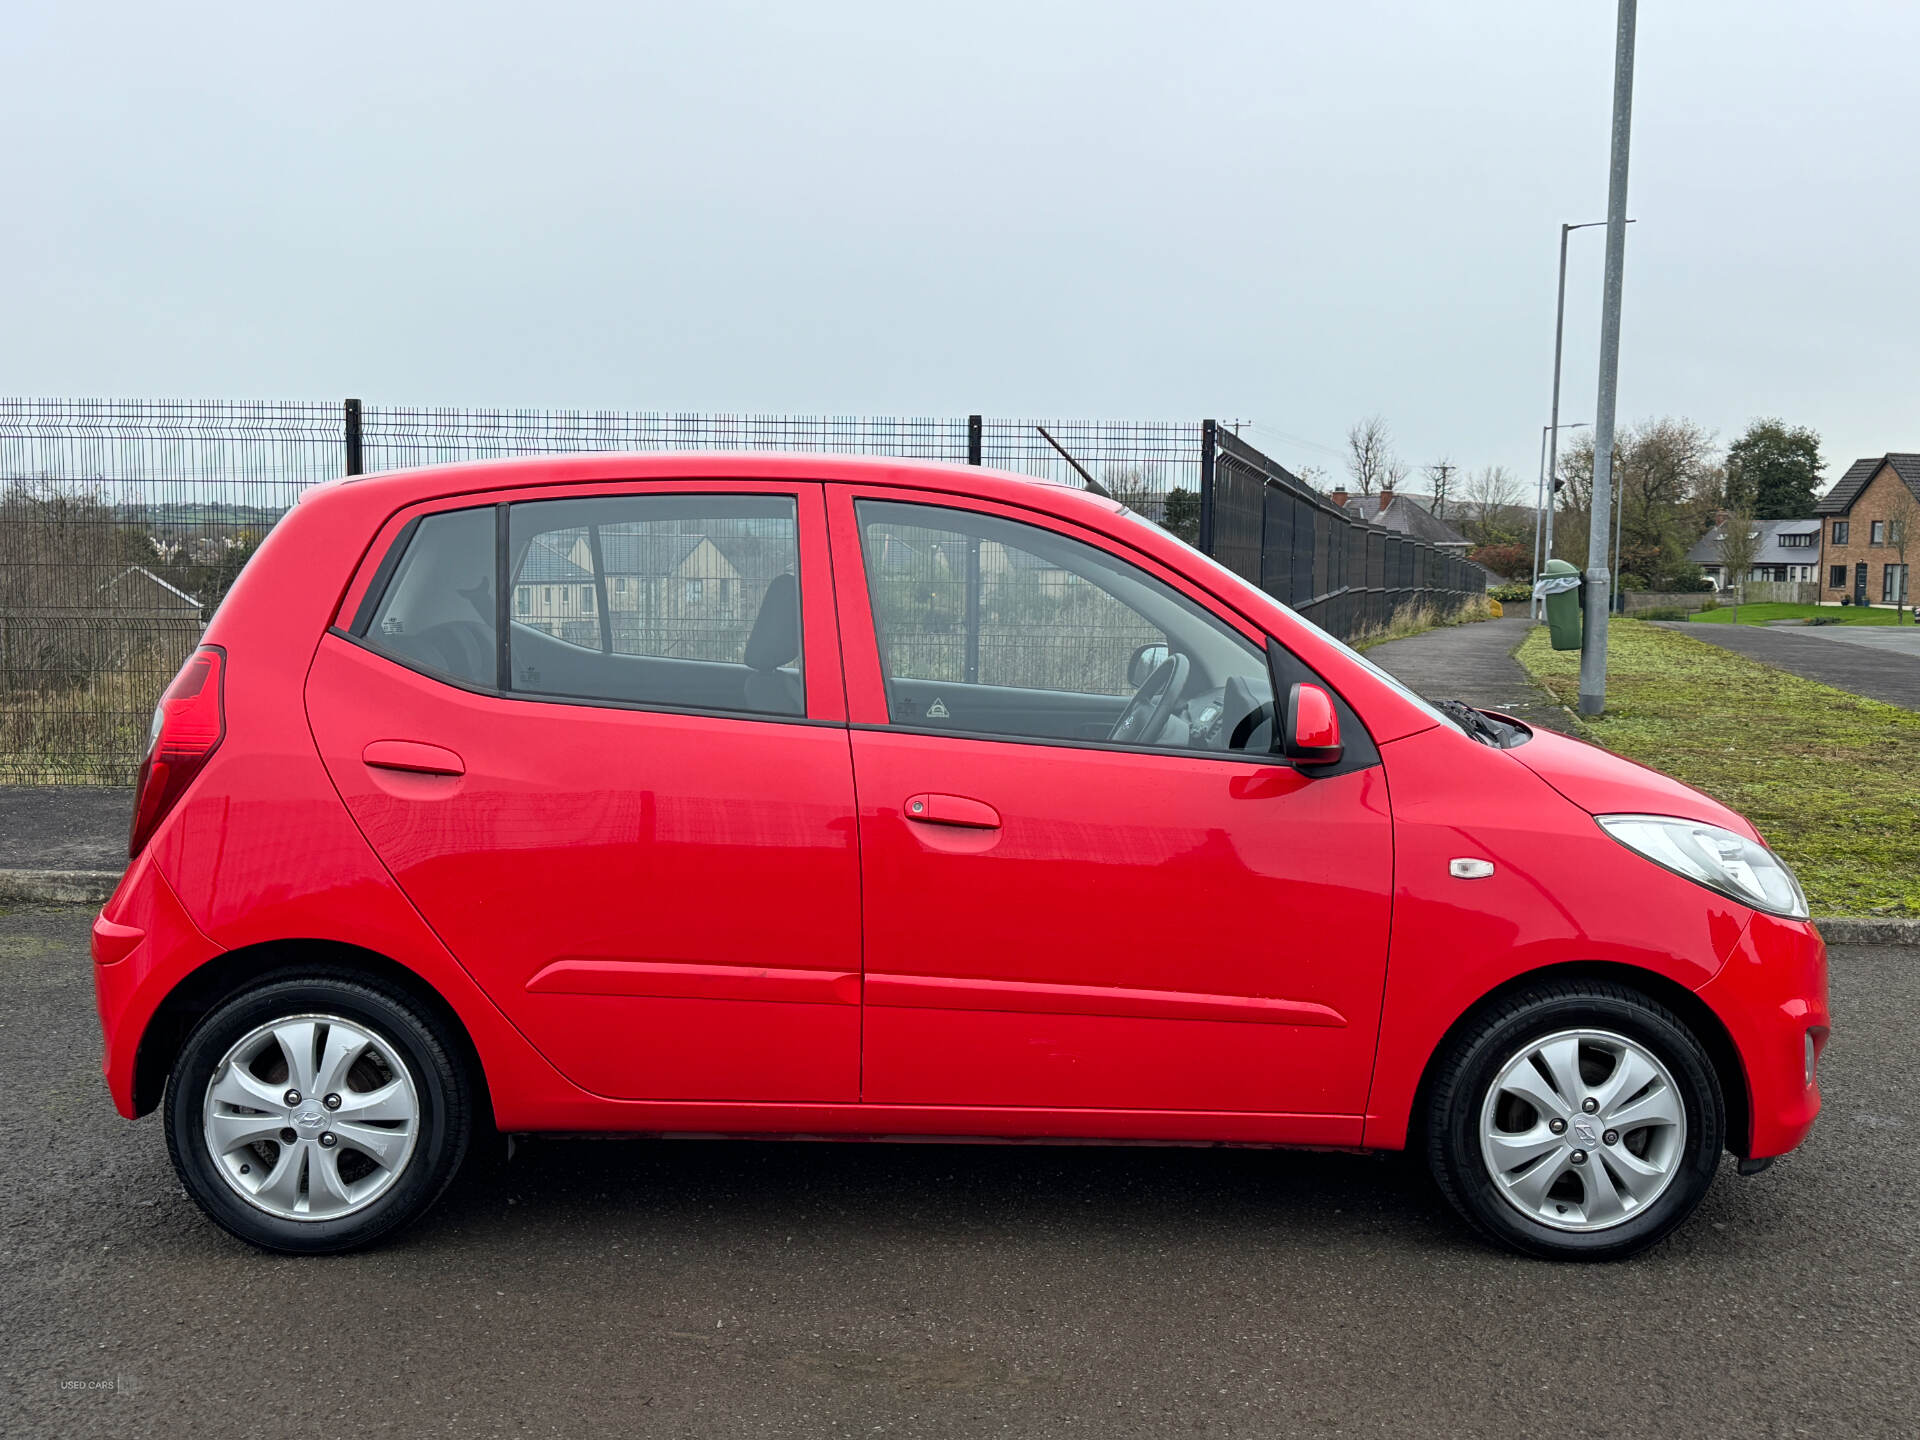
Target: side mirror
[[1311, 735], [1145, 660]]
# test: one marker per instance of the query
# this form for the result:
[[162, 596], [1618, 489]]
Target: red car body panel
[[1083, 943]]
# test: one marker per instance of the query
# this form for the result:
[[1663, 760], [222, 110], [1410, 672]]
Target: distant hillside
[[200, 516]]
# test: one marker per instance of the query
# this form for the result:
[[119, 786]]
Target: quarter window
[[437, 611], [995, 628]]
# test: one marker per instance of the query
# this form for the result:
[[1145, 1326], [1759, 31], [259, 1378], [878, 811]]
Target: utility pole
[[1593, 648], [1440, 472]]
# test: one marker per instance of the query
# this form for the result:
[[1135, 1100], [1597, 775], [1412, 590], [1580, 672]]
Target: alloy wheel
[[1583, 1129], [311, 1117]]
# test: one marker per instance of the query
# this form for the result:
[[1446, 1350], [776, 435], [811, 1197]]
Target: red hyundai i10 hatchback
[[762, 794]]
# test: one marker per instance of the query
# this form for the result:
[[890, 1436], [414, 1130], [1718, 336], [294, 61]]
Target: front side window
[[995, 628], [436, 612], [679, 600]]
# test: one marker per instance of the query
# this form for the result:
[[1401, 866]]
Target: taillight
[[188, 726]]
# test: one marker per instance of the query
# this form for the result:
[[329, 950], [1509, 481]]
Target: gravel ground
[[705, 1288]]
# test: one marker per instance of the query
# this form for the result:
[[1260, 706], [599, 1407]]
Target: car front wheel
[[1576, 1121], [316, 1113]]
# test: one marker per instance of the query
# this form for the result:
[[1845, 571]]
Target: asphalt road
[[730, 1289]]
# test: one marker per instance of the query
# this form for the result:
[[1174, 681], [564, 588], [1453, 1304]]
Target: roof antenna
[[1092, 484]]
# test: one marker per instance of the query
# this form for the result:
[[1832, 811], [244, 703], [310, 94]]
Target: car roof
[[404, 487]]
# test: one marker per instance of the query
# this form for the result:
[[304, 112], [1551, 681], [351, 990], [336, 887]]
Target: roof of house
[[172, 596], [1406, 516], [546, 565], [1847, 488], [1706, 550]]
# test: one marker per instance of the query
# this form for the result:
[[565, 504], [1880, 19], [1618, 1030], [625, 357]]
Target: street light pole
[[1544, 554], [1593, 650]]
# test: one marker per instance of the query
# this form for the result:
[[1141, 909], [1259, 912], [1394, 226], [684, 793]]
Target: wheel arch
[[1706, 1026], [228, 974]]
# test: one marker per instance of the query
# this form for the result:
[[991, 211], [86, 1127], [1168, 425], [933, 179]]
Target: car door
[[618, 784], [1053, 918]]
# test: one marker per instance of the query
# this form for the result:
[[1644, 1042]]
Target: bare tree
[[1370, 458], [1487, 493], [1314, 477], [1903, 529], [1739, 544]]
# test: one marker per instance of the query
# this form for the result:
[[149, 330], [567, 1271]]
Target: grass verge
[[1831, 779], [1762, 614], [1412, 620]]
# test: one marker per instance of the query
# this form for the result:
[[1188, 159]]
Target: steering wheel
[[1147, 712]]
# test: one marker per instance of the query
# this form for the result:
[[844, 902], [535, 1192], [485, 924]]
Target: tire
[[303, 1178], [1597, 1060]]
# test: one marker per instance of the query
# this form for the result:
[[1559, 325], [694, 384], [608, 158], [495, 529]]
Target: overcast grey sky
[[1290, 213]]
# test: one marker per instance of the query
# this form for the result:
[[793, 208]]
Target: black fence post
[[974, 427], [1208, 444], [354, 466]]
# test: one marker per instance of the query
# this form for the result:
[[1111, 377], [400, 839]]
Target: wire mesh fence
[[124, 522]]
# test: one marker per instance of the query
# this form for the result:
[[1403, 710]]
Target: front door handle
[[952, 810], [413, 756]]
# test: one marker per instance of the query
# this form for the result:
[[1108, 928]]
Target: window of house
[[1837, 577], [671, 641], [435, 612], [1840, 528], [1893, 584], [1797, 542], [995, 628], [1877, 532]]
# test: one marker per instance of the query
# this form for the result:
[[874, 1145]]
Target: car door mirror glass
[[1145, 660]]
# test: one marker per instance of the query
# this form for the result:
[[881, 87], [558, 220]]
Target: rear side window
[[436, 612], [676, 600]]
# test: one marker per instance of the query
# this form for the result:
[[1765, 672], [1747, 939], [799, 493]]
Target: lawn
[[1761, 614], [1832, 780]]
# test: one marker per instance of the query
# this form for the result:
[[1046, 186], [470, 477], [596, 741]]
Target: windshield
[[1238, 582]]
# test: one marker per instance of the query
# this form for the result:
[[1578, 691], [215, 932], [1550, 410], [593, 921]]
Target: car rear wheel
[[316, 1113], [1576, 1121]]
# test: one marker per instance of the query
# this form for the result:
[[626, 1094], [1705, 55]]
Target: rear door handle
[[414, 756], [952, 810]]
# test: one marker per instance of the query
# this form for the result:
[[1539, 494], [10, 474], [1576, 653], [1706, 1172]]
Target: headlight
[[1718, 859]]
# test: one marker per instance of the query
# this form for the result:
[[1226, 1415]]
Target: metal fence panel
[[123, 522]]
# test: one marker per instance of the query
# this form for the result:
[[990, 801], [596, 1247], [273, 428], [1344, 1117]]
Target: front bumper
[[1772, 996]]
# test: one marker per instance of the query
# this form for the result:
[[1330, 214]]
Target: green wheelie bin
[[1559, 586]]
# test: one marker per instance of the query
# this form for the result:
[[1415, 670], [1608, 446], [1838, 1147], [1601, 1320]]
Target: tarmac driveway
[[697, 1288]]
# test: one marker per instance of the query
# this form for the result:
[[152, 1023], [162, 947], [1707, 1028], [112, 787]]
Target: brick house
[[1863, 515]]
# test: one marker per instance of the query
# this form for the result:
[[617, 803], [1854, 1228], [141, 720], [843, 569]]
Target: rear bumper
[[1772, 996], [143, 942]]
